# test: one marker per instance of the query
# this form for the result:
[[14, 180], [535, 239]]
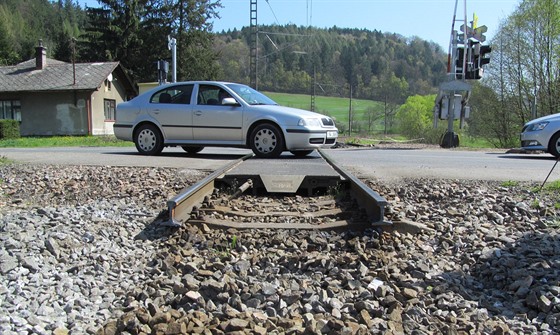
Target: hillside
[[300, 59]]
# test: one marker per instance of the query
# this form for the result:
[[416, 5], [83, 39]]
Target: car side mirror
[[230, 102]]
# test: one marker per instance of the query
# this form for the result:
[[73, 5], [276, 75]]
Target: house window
[[10, 109], [110, 109], [108, 84]]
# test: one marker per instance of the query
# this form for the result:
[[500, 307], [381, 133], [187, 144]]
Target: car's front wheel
[[148, 140], [554, 145], [266, 141], [192, 149]]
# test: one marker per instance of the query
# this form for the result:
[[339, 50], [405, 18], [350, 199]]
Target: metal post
[[454, 85], [254, 45], [313, 90], [350, 112], [172, 45]]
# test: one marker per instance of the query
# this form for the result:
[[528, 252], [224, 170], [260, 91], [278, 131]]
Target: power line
[[274, 14]]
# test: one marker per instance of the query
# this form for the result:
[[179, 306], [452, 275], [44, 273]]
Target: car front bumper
[[534, 140], [303, 139]]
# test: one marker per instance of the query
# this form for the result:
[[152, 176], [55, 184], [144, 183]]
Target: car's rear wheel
[[192, 149], [301, 153], [148, 140], [266, 141], [554, 145]]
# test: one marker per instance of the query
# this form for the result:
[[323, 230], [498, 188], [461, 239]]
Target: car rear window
[[173, 95]]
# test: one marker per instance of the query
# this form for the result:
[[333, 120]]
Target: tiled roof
[[56, 76]]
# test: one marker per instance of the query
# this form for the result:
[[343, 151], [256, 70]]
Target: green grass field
[[336, 108]]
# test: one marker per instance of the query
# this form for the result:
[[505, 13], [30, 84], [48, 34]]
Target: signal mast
[[465, 61]]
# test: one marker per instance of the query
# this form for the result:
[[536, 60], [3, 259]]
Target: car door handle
[[198, 113], [156, 111]]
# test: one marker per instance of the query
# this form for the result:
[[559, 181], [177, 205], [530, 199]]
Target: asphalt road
[[387, 164], [390, 164]]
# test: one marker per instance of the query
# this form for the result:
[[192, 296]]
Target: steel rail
[[182, 204], [371, 201]]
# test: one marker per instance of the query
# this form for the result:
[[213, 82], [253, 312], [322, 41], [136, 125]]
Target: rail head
[[372, 201], [184, 201]]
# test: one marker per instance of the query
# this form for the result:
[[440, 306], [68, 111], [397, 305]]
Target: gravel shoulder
[[82, 253]]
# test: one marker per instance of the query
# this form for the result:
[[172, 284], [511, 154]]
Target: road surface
[[387, 164]]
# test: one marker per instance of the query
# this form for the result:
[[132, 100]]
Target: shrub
[[9, 129]]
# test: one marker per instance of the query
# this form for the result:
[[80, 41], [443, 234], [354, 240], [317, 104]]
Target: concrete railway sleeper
[[285, 193]]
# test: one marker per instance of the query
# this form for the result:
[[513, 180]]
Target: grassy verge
[[4, 160], [372, 140], [64, 141], [475, 143]]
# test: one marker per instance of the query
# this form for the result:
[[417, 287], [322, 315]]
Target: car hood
[[553, 117], [288, 111]]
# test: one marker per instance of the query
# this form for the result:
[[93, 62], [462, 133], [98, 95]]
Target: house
[[50, 97]]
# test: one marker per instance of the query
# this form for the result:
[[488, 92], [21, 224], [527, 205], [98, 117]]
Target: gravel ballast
[[82, 252]]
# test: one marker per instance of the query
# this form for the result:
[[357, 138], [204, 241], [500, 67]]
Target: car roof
[[202, 82]]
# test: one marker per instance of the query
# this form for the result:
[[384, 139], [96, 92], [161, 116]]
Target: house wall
[[53, 113], [143, 87], [101, 126]]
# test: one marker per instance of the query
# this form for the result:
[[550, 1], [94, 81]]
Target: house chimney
[[40, 56]]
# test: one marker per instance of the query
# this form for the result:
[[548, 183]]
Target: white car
[[542, 134], [194, 115]]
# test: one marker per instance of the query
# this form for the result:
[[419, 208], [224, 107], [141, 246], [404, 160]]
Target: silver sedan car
[[542, 134], [198, 114]]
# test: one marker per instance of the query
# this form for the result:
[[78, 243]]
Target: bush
[[9, 129], [415, 119]]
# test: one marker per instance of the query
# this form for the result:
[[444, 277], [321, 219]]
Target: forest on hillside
[[290, 58], [521, 82], [295, 59]]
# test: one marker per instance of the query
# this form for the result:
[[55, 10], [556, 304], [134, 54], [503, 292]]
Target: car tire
[[148, 140], [554, 145], [266, 141], [192, 149], [301, 153]]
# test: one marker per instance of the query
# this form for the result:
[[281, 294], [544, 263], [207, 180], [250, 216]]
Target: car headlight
[[309, 122], [537, 126]]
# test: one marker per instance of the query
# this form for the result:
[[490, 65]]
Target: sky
[[430, 20]]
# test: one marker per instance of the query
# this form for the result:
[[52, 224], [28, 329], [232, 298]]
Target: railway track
[[284, 193]]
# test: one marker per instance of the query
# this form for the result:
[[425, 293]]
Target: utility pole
[[172, 45], [350, 112], [313, 90], [254, 30]]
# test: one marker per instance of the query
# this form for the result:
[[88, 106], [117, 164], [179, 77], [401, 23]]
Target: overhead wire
[[272, 10]]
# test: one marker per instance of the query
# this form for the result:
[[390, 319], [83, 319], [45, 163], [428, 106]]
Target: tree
[[135, 32], [191, 24], [525, 66], [97, 40], [372, 115], [7, 53], [415, 118], [391, 91], [491, 119]]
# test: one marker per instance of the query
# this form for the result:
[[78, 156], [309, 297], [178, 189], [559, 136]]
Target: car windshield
[[251, 96]]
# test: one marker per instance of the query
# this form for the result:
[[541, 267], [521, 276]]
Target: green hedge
[[9, 129]]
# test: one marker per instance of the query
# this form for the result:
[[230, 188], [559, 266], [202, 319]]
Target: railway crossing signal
[[476, 33], [477, 55], [466, 61]]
